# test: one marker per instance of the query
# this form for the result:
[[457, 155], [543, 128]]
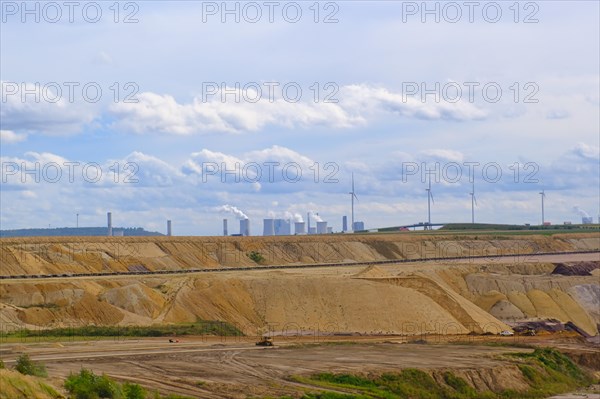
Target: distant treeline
[[77, 231]]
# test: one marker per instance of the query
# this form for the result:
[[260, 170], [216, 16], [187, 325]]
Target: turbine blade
[[475, 199], [431, 195]]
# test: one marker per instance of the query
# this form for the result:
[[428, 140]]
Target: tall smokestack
[[225, 228], [344, 223], [308, 222], [109, 217], [169, 228]]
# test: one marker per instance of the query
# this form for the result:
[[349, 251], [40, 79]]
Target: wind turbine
[[429, 201], [473, 203], [352, 197], [543, 194]]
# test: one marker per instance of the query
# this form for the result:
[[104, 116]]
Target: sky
[[188, 110]]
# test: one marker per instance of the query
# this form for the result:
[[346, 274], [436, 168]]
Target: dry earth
[[484, 295]]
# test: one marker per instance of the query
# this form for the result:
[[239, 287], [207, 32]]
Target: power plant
[[358, 226], [299, 228], [268, 227], [282, 227], [321, 227], [169, 232], [225, 228], [244, 227]]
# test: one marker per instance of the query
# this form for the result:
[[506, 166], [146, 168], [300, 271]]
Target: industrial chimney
[[109, 217], [225, 228], [169, 228]]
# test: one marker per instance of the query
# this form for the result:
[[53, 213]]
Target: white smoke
[[316, 217], [296, 217], [580, 211], [234, 210]]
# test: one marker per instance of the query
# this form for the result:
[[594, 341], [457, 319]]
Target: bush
[[27, 366], [256, 256], [1, 364], [87, 385], [133, 391]]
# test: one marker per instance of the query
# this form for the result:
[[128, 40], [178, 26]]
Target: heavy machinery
[[265, 341]]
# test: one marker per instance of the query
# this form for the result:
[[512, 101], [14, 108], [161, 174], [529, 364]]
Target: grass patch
[[17, 386], [201, 327], [547, 371], [87, 385], [42, 305]]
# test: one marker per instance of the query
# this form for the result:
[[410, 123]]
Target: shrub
[[27, 366], [133, 391], [87, 385], [1, 364], [256, 256]]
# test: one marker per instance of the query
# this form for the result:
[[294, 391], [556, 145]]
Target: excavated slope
[[38, 255], [443, 298]]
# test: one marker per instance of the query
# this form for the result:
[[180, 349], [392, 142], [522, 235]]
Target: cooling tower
[[321, 227], [299, 228], [269, 227]]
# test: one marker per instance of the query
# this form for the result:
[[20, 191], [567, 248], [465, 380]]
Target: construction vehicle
[[265, 341]]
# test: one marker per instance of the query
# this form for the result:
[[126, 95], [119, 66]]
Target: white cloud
[[587, 151], [444, 155], [10, 137], [47, 111], [358, 105]]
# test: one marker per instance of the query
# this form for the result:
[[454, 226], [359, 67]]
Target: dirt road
[[211, 369]]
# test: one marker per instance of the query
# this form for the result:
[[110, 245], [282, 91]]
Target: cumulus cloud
[[47, 111], [587, 151], [357, 105], [10, 137]]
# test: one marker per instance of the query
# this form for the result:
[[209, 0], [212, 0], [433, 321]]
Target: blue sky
[[371, 60]]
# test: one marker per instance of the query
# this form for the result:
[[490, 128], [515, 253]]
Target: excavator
[[265, 341]]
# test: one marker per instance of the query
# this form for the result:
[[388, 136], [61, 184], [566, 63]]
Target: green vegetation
[[133, 391], [87, 385], [27, 366], [504, 229], [42, 305], [200, 327], [547, 371], [1, 364], [17, 386], [256, 256]]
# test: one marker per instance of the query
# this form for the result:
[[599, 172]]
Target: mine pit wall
[[423, 299], [56, 255]]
